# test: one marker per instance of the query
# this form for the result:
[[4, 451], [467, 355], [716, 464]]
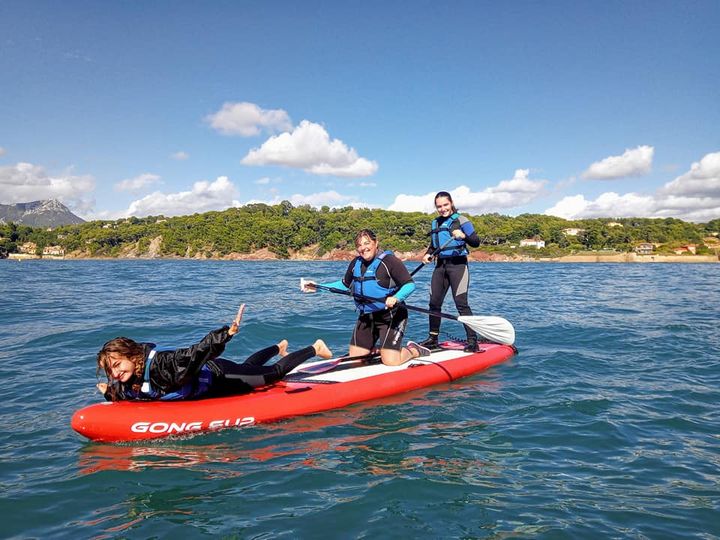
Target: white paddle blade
[[304, 285], [495, 329]]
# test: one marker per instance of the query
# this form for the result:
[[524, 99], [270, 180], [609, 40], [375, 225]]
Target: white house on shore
[[28, 248], [54, 251], [537, 243]]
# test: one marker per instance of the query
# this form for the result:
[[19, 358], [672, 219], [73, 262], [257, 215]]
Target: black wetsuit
[[384, 328], [172, 370], [451, 272]]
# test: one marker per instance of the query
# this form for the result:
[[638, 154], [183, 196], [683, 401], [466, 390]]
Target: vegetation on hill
[[283, 229]]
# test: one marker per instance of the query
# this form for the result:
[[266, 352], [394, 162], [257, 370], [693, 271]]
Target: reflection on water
[[124, 516]]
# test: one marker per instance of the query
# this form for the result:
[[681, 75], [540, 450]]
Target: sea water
[[605, 425]]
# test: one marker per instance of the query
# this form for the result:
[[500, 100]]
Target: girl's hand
[[427, 258], [457, 233], [236, 323], [102, 387], [390, 302]]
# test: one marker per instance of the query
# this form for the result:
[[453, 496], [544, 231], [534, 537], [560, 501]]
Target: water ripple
[[604, 426]]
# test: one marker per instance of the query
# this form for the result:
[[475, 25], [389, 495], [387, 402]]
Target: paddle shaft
[[432, 255], [357, 357], [496, 329], [331, 364], [411, 308]]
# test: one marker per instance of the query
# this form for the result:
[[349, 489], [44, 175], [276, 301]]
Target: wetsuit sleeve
[[405, 291], [339, 284], [175, 368], [471, 237]]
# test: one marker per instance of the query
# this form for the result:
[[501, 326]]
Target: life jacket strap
[[146, 388]]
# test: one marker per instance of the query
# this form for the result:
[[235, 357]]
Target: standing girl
[[451, 234]]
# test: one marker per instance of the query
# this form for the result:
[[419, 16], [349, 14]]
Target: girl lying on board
[[138, 371]]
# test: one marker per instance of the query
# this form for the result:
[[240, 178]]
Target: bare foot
[[321, 349], [283, 345]]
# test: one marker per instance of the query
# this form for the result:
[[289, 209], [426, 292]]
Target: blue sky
[[577, 108]]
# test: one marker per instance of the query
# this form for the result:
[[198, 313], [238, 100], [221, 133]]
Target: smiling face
[[366, 247], [121, 359], [444, 206], [120, 367]]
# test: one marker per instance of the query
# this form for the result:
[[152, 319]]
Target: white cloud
[[247, 119], [138, 183], [180, 156], [265, 180], [309, 147], [702, 180], [2, 151], [203, 197], [512, 193], [635, 162], [606, 205], [693, 196], [25, 182]]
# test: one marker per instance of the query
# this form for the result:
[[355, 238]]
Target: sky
[[577, 109]]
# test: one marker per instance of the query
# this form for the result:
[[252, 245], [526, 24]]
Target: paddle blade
[[304, 285], [319, 368], [495, 329]]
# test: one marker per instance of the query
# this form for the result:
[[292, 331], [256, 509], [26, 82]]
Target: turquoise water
[[606, 424]]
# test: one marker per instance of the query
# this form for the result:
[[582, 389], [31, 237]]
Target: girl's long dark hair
[[132, 350]]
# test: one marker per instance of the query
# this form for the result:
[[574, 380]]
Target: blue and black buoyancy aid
[[196, 388], [366, 284], [442, 233]]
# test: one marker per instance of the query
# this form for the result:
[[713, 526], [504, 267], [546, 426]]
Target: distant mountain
[[50, 213]]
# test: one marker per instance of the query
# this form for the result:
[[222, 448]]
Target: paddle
[[432, 256], [496, 329], [332, 364]]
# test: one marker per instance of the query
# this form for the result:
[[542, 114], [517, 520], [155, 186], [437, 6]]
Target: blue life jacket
[[190, 390], [366, 284], [441, 234]]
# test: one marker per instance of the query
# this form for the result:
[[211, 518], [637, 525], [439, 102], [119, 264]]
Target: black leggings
[[242, 378], [451, 273]]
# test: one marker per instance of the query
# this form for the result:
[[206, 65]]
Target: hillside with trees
[[285, 230]]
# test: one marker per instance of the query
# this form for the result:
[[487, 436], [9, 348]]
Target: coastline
[[345, 255]]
